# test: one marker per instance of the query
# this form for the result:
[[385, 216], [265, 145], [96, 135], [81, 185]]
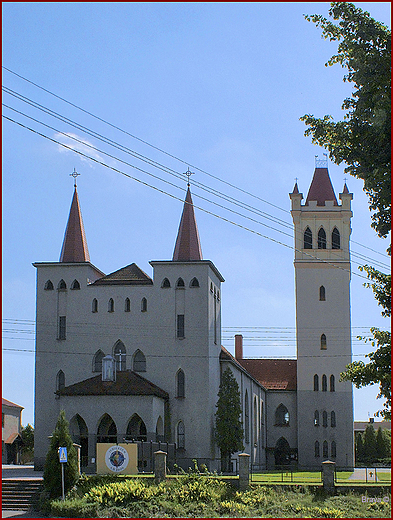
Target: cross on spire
[[74, 174], [188, 173]]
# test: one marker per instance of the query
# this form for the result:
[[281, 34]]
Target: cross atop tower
[[188, 173], [74, 174]]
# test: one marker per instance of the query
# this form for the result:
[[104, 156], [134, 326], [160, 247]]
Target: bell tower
[[322, 228]]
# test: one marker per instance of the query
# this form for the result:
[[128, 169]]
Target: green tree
[[27, 435], [383, 444], [52, 470], [370, 444], [229, 428], [362, 138], [359, 447]]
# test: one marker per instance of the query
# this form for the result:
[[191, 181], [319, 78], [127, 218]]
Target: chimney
[[238, 346]]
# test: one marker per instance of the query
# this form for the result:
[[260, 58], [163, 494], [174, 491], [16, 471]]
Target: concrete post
[[244, 471], [78, 452], [160, 465], [328, 475]]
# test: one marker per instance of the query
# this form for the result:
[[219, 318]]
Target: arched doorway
[[282, 452], [107, 431], [136, 429], [80, 435]]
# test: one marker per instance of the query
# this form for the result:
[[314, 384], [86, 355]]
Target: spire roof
[[321, 188], [74, 245], [188, 247]]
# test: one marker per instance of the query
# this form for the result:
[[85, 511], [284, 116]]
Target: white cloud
[[77, 143]]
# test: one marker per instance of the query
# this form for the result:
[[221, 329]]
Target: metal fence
[[370, 475], [285, 474]]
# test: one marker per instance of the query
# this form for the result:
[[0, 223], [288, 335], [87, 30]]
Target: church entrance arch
[[107, 431], [136, 429], [282, 452], [80, 435]]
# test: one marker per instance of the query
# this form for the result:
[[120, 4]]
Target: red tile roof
[[127, 383], [321, 188], [9, 403], [273, 374], [187, 245], [74, 245], [129, 275]]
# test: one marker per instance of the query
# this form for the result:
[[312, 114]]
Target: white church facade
[[164, 335]]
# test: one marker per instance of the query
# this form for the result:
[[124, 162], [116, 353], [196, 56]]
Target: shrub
[[73, 508]]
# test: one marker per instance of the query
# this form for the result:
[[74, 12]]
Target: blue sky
[[219, 87]]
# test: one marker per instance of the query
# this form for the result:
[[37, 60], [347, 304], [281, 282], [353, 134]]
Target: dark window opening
[[322, 294], [321, 239], [180, 325], [307, 239], [48, 286], [165, 283], [62, 327], [335, 239]]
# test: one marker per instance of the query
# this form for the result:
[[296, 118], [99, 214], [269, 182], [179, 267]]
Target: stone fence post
[[328, 475], [244, 471], [160, 465]]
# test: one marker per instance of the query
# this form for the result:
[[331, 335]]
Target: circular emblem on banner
[[116, 458]]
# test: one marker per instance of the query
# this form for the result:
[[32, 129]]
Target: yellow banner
[[117, 458]]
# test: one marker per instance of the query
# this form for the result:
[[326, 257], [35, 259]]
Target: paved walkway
[[360, 474]]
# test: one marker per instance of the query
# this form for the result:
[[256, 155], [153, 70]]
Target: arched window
[[321, 239], [60, 380], [107, 431], [75, 285], [139, 362], [194, 282], [322, 294], [333, 450], [119, 353], [181, 435], [218, 295], [325, 451], [180, 384], [316, 418], [255, 420], [127, 305], [323, 342], [324, 419], [307, 242], [333, 419], [143, 305], [62, 286], [165, 283], [282, 452], [48, 286], [159, 430], [316, 449], [332, 389], [136, 429], [246, 419], [211, 287], [335, 239], [324, 383], [180, 284], [281, 416], [316, 383], [94, 305], [111, 305], [97, 361]]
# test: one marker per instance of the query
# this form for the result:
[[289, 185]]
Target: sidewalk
[[11, 471]]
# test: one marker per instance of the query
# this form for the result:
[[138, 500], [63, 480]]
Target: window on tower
[[144, 305], [324, 419], [62, 327], [321, 239], [322, 294], [180, 326], [48, 286], [281, 416], [180, 384], [139, 362], [194, 282], [324, 383], [75, 285], [325, 450], [60, 380], [94, 305], [333, 451], [119, 353], [316, 383], [332, 389], [307, 239], [62, 286], [181, 441], [127, 305], [323, 342], [316, 449], [180, 284], [333, 419], [335, 239], [111, 305], [316, 418], [165, 283]]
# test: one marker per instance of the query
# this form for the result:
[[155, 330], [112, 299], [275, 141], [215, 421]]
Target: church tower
[[322, 228]]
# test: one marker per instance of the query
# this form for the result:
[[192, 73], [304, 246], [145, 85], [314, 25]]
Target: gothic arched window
[[60, 380], [139, 362], [322, 294], [94, 305], [316, 383], [181, 435], [165, 283], [48, 286], [333, 451], [325, 450], [194, 282], [333, 419], [324, 383], [127, 305], [143, 305], [97, 361], [332, 389], [62, 286], [321, 239], [180, 384], [281, 416], [75, 285], [323, 342], [111, 305], [119, 353], [335, 239], [316, 418], [307, 239], [324, 419], [180, 284]]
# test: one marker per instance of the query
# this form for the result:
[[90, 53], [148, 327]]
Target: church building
[[131, 357]]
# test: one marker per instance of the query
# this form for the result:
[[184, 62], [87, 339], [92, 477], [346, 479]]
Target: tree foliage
[[371, 447], [229, 428], [362, 138], [27, 435], [52, 471]]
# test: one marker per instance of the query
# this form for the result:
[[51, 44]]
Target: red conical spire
[[321, 188], [187, 246], [74, 245]]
